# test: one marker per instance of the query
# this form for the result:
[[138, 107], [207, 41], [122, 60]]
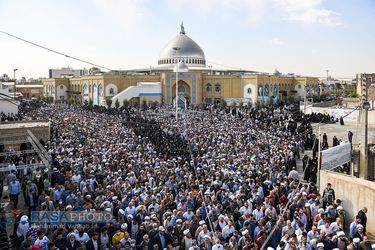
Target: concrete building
[[7, 103], [369, 80], [199, 84], [29, 91], [65, 72]]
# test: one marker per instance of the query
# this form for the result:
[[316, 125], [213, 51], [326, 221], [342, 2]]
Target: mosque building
[[197, 82]]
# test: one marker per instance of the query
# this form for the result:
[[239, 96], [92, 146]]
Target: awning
[[73, 92]]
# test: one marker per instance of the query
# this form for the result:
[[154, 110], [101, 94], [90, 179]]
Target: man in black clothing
[[362, 215]]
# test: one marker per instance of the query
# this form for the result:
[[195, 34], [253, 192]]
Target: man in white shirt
[[314, 208], [217, 246], [130, 210], [188, 214], [312, 234], [246, 208], [228, 230], [326, 227], [258, 213]]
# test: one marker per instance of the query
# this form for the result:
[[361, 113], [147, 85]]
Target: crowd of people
[[209, 181]]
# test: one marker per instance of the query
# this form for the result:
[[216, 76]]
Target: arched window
[[249, 90], [208, 87], [181, 89], [111, 91], [217, 87]]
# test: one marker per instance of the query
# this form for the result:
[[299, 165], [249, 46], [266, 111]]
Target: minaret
[[182, 28]]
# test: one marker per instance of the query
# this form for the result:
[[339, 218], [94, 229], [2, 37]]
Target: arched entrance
[[183, 93]]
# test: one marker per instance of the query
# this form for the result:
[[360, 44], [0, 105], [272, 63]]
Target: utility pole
[[304, 99], [319, 158], [176, 49], [15, 89], [363, 169]]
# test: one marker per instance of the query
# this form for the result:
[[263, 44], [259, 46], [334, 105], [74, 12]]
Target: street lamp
[[14, 90], [179, 67]]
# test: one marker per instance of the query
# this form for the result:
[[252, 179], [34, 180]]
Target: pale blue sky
[[300, 36]]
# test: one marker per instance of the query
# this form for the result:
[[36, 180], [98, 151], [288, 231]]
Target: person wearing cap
[[320, 246], [242, 241], [353, 227], [355, 243], [340, 241], [360, 232], [71, 242], [187, 240], [203, 233], [340, 214], [207, 243]]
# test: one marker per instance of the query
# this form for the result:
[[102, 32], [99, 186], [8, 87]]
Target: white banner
[[350, 115], [336, 156], [229, 100]]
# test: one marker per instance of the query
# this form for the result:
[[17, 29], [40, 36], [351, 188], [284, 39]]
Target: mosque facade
[[199, 84]]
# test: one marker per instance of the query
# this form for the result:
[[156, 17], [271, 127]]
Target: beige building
[[364, 81], [199, 84]]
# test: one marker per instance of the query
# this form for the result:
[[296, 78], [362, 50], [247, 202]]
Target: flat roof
[[11, 125], [29, 86]]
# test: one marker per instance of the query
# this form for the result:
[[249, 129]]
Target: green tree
[[144, 104], [203, 104], [108, 101], [338, 85], [233, 104], [86, 102], [39, 98], [240, 104], [117, 104], [91, 102], [270, 101], [257, 104], [249, 105], [223, 103], [70, 101], [125, 103], [154, 105], [62, 99]]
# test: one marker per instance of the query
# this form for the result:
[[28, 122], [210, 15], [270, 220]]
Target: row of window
[[217, 87], [185, 60]]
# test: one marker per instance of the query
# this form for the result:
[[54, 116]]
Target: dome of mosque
[[185, 49]]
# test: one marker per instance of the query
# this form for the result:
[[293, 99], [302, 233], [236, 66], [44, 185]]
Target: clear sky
[[305, 37]]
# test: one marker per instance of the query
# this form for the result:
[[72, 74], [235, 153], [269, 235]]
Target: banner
[[336, 156]]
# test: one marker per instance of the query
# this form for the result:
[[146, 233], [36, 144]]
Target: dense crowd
[[210, 180]]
